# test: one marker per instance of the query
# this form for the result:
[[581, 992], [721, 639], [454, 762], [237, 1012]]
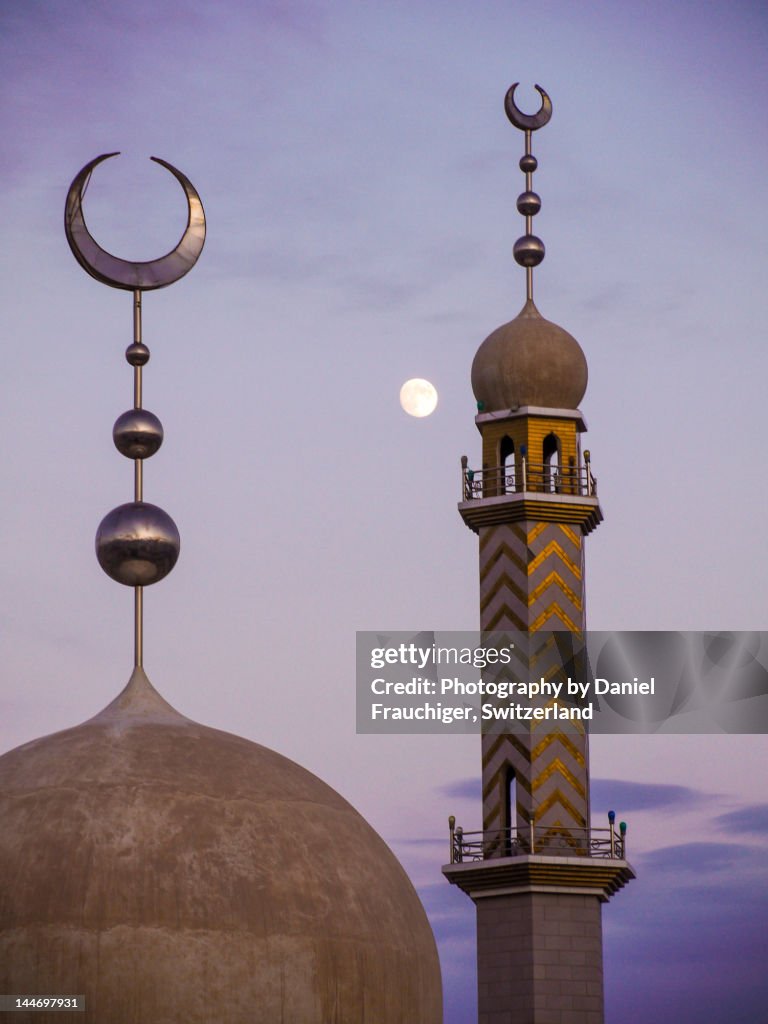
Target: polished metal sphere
[[528, 163], [137, 434], [137, 354], [137, 544], [529, 203], [528, 251]]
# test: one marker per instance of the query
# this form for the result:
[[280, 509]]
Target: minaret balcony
[[529, 490], [539, 858], [553, 840]]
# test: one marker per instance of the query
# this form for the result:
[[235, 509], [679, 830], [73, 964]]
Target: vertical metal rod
[[138, 489], [137, 341], [138, 480], [528, 218], [138, 630]]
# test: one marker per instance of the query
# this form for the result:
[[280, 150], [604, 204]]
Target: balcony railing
[[547, 840], [526, 477]]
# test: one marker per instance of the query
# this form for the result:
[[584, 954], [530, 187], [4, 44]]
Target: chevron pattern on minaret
[[531, 580], [538, 872]]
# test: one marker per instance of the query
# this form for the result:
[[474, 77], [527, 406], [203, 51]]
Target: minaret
[[538, 873]]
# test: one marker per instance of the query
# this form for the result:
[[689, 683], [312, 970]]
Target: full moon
[[418, 397]]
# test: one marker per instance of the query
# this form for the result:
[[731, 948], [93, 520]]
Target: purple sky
[[359, 179]]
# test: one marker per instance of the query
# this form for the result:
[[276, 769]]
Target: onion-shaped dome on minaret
[[172, 872], [529, 361]]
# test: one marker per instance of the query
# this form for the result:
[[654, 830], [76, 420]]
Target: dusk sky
[[359, 179]]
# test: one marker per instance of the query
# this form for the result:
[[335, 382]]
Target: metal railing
[[548, 840], [527, 476]]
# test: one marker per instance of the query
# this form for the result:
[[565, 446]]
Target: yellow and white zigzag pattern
[[531, 580]]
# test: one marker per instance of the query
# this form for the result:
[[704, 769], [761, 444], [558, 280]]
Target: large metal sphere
[[529, 203], [137, 354], [528, 251], [137, 544], [137, 434]]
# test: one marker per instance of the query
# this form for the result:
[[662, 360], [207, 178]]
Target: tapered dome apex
[[529, 362]]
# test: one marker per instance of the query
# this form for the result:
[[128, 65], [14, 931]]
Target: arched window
[[551, 463], [510, 811], [507, 462]]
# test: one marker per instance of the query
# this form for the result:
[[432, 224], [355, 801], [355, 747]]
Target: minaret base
[[539, 936]]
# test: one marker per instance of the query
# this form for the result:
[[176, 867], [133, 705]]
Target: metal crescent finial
[[529, 249], [126, 274], [137, 543], [527, 122]]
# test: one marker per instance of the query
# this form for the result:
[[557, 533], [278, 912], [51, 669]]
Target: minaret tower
[[538, 873]]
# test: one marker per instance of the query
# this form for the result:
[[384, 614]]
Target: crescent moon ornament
[[126, 274], [527, 122]]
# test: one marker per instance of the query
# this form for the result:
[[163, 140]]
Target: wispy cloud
[[463, 789], [622, 796], [693, 860], [617, 794], [752, 820]]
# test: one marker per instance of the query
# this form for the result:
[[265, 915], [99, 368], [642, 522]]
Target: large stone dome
[[175, 873], [529, 361]]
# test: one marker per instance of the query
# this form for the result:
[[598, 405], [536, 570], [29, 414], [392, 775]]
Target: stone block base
[[540, 958]]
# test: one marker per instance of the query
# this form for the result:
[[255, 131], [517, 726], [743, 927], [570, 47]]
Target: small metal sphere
[[137, 434], [528, 251], [529, 203], [137, 354], [528, 163], [137, 544]]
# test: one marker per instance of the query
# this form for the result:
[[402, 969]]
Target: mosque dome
[[529, 361], [173, 873]]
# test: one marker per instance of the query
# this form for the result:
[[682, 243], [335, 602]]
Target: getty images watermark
[[621, 682]]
